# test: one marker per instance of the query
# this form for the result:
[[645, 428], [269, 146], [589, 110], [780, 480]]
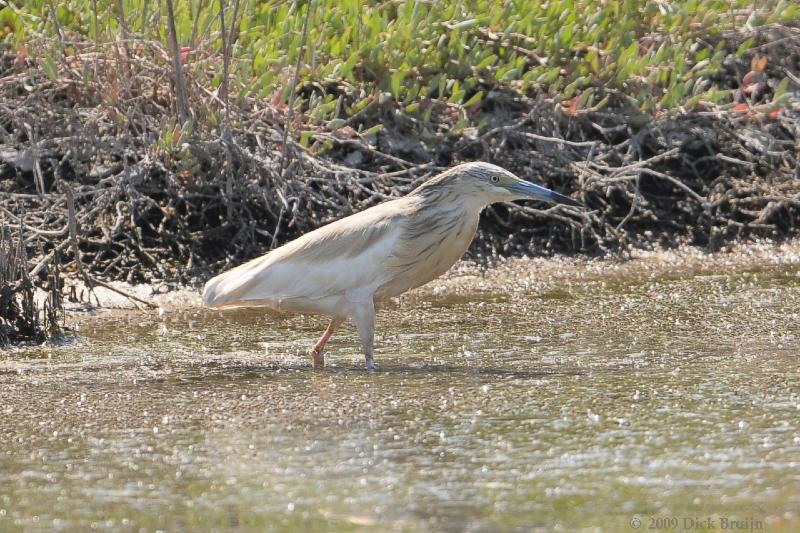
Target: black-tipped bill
[[537, 192]]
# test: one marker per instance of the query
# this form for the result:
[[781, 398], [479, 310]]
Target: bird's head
[[495, 184]]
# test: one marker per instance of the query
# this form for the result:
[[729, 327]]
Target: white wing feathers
[[348, 257]]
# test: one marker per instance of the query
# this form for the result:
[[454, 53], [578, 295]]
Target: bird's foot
[[317, 359], [371, 366]]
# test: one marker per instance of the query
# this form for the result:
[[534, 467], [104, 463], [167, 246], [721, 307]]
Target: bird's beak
[[532, 191]]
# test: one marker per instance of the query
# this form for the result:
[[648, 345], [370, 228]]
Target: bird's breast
[[428, 249]]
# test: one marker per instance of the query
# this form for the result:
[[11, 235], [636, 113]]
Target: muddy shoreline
[[550, 276], [539, 273]]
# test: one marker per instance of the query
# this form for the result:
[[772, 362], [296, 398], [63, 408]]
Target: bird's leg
[[364, 317], [316, 351]]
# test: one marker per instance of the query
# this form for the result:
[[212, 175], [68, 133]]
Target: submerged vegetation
[[159, 140]]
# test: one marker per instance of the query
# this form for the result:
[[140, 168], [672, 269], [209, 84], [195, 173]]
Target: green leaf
[[469, 23], [512, 74], [781, 88], [396, 83], [347, 67], [593, 58], [490, 60], [456, 97], [744, 47], [692, 102], [305, 137], [476, 99], [586, 98], [361, 104], [49, 68], [372, 131], [601, 104], [336, 123]]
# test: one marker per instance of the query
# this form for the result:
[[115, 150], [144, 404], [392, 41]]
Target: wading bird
[[347, 268]]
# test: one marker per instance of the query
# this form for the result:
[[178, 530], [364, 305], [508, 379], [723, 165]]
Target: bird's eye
[[495, 179]]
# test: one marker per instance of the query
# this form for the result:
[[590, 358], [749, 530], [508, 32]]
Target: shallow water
[[671, 398]]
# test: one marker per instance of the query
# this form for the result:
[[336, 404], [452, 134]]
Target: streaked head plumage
[[487, 183]]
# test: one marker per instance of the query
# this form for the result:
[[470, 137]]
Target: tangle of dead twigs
[[151, 201]]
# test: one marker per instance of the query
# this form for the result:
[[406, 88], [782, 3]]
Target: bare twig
[[60, 33], [182, 104], [140, 209], [293, 94], [73, 237], [223, 87], [283, 162], [141, 304]]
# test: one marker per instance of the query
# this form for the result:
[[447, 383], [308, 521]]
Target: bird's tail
[[229, 288], [211, 293]]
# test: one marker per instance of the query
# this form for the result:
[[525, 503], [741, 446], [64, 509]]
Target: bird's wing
[[349, 257]]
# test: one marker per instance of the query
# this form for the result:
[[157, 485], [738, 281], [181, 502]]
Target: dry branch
[[150, 205]]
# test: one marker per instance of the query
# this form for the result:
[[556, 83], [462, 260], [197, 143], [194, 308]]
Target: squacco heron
[[348, 268]]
